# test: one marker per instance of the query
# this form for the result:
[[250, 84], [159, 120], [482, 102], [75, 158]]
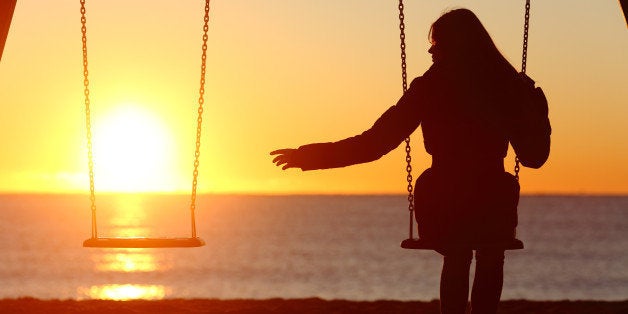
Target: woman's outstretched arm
[[397, 123]]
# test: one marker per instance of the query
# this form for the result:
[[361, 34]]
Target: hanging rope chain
[[90, 159], [404, 77], [199, 120], [524, 59]]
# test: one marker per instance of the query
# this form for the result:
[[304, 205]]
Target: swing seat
[[420, 244], [143, 242]]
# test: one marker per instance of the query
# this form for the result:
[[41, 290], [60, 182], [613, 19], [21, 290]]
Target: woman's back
[[466, 117]]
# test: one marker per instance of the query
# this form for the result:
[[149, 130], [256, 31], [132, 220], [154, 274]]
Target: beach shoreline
[[301, 306]]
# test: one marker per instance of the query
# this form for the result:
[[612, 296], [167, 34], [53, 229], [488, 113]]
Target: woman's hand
[[286, 158]]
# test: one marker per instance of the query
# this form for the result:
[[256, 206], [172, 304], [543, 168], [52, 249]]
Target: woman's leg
[[489, 278], [454, 281]]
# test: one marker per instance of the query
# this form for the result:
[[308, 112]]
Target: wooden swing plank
[[419, 244], [143, 242]]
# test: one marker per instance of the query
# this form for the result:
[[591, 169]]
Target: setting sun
[[133, 151]]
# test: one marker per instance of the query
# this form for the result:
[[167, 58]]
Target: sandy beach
[[301, 306]]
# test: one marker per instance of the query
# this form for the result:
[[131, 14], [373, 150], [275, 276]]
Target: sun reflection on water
[[127, 216], [129, 261], [124, 292]]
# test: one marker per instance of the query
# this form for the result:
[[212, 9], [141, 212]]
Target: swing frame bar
[[6, 14]]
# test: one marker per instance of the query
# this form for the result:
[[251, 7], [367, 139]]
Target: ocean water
[[333, 247]]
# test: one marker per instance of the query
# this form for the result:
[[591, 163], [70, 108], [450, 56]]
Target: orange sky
[[282, 74]]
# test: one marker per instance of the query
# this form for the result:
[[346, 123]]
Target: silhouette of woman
[[465, 103]]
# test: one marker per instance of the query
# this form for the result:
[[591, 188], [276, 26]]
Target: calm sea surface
[[334, 247]]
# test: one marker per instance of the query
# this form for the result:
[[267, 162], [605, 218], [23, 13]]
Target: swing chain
[[90, 158], [402, 37], [404, 77], [524, 59], [199, 120], [526, 27]]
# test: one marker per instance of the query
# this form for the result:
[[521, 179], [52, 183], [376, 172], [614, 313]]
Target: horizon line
[[166, 193]]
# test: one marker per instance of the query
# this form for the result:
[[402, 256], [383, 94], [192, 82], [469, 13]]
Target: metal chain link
[[402, 37], [199, 120], [526, 27], [404, 77], [524, 59], [88, 123]]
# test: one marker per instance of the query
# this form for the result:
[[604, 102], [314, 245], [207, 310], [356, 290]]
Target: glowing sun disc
[[132, 151]]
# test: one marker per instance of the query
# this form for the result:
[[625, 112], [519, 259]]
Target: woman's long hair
[[462, 38]]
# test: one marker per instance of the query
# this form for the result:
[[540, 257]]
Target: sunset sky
[[282, 74]]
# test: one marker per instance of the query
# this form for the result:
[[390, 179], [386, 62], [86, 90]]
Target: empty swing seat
[[420, 244], [143, 242]]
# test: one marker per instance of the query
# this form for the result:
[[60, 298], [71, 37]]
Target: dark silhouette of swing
[[139, 242], [421, 244]]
